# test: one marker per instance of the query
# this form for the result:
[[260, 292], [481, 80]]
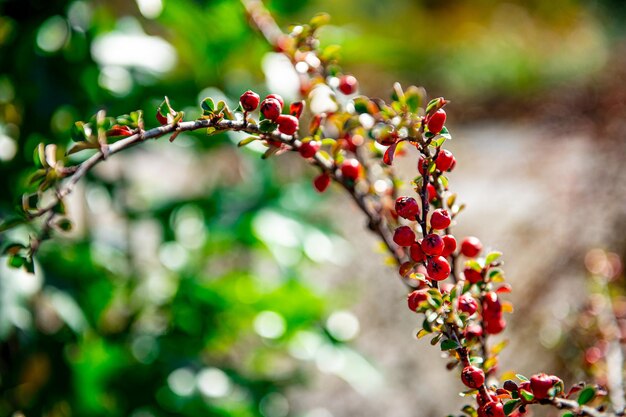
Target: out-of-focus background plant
[[201, 280]]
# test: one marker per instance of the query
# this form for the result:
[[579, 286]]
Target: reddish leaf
[[389, 154], [118, 130], [505, 288]]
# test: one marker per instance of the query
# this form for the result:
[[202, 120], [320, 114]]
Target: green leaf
[[421, 333], [445, 133], [64, 224], [437, 143], [451, 200], [77, 132], [436, 339], [37, 176], [208, 106], [426, 326], [16, 261], [319, 19], [568, 414], [527, 395], [267, 126], [492, 257], [449, 344], [13, 249], [413, 98], [39, 156], [511, 405], [398, 94], [521, 377], [331, 52], [10, 223], [586, 395], [29, 265], [497, 348], [81, 146], [247, 141], [469, 410], [59, 207], [434, 105], [361, 104], [29, 201], [471, 263]]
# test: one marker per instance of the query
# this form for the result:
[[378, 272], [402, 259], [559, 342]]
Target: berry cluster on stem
[[354, 146]]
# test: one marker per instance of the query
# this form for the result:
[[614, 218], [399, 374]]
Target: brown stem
[[575, 408]]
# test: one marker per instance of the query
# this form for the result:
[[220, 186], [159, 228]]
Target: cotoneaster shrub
[[455, 289]]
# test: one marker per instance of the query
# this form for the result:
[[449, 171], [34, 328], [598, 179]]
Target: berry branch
[[353, 143]]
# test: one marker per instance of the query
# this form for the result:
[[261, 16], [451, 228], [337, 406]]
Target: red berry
[[432, 245], [404, 236], [471, 246], [432, 192], [492, 308], [407, 207], [308, 149], [249, 100], [277, 97], [416, 252], [473, 331], [350, 169], [467, 304], [271, 108], [449, 245], [348, 84], [440, 219], [422, 165], [453, 164], [492, 409], [525, 386], [540, 385], [287, 124], [416, 297], [436, 121], [494, 325], [472, 276], [405, 269], [472, 376], [438, 268], [295, 108], [444, 160], [321, 182]]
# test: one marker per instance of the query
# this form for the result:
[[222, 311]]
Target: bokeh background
[[200, 280]]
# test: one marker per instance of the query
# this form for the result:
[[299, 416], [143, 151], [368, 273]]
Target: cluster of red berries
[[350, 170], [444, 162], [271, 109], [541, 386], [433, 249]]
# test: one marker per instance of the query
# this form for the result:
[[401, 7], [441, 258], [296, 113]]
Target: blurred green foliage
[[200, 316], [194, 302]]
